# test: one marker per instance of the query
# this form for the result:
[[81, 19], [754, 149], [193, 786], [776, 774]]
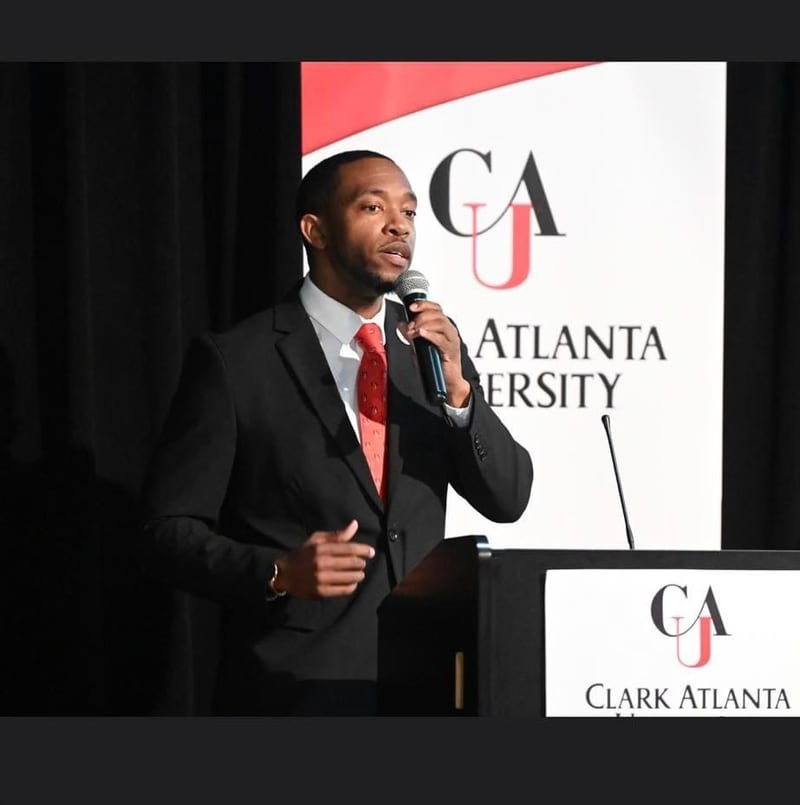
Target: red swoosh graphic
[[338, 99]]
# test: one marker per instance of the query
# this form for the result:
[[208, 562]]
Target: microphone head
[[409, 282]]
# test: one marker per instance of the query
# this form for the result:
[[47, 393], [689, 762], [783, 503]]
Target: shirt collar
[[336, 318]]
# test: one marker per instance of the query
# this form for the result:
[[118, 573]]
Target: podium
[[463, 633]]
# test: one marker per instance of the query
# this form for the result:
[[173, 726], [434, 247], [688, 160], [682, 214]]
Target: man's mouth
[[398, 254]]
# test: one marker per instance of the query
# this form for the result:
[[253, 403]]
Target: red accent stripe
[[341, 98]]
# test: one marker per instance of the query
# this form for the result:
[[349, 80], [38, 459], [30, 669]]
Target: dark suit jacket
[[257, 453]]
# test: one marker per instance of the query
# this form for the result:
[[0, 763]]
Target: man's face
[[369, 231]]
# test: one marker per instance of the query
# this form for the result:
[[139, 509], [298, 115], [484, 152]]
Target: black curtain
[[141, 203], [761, 411]]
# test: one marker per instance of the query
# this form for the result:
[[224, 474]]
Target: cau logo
[[529, 178], [671, 605]]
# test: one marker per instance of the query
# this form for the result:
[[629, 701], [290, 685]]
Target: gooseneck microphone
[[412, 286], [607, 425]]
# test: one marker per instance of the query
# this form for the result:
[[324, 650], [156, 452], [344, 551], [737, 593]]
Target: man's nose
[[398, 224]]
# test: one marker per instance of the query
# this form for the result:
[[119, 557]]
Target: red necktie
[[371, 390]]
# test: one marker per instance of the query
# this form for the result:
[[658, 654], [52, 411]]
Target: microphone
[[412, 286], [607, 425]]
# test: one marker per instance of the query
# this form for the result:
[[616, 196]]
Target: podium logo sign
[[672, 642], [700, 625]]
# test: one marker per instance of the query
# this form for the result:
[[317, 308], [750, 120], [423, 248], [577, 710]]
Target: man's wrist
[[458, 418], [460, 397]]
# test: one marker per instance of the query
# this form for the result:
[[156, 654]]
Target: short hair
[[319, 184]]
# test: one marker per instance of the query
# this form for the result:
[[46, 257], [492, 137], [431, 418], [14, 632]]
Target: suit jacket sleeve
[[489, 468], [185, 488]]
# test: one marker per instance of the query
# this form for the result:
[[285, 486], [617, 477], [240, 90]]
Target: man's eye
[[410, 213]]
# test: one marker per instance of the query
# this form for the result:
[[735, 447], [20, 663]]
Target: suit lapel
[[404, 386], [305, 362]]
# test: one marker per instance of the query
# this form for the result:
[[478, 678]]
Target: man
[[259, 495]]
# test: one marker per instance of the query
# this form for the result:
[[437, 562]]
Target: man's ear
[[313, 230]]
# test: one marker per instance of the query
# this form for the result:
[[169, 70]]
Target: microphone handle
[[429, 360], [430, 366]]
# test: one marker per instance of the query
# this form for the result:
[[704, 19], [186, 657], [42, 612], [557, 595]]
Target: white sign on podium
[[672, 642]]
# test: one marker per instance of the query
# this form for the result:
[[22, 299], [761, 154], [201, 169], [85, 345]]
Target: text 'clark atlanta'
[[600, 697]]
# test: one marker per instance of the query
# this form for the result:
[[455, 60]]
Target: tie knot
[[369, 336]]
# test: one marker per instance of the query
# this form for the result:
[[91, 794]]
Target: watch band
[[272, 593]]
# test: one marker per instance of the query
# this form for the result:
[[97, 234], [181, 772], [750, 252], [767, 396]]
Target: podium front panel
[[463, 633]]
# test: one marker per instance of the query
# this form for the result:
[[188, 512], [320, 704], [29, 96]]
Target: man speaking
[[305, 461]]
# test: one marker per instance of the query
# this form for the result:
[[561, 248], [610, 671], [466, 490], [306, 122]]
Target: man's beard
[[376, 284]]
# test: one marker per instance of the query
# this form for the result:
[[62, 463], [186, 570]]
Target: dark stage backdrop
[[141, 203]]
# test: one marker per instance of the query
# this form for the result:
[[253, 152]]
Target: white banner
[[653, 642], [572, 224]]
